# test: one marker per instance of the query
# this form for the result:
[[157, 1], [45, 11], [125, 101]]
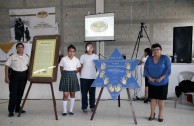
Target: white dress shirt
[[17, 62]]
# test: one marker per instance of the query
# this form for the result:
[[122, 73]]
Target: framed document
[[44, 59]]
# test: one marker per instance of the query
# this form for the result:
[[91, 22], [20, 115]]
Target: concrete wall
[[159, 16]]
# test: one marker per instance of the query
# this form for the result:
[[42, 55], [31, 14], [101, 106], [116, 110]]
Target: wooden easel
[[37, 76], [129, 98], [119, 101], [53, 97]]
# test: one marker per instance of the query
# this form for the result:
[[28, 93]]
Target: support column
[[100, 9]]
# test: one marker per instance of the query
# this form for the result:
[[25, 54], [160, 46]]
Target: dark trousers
[[16, 88], [85, 88]]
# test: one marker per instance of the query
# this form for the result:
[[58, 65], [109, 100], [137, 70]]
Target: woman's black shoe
[[150, 118], [160, 120]]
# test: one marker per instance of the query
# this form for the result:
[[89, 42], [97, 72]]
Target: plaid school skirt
[[69, 82]]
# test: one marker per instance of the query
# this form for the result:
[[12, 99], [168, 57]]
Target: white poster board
[[39, 21], [99, 27]]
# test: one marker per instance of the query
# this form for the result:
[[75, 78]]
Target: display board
[[44, 59]]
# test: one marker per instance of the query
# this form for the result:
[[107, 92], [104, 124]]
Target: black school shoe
[[92, 109], [85, 111], [71, 113], [64, 114], [11, 114]]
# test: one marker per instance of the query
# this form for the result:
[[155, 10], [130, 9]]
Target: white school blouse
[[69, 64]]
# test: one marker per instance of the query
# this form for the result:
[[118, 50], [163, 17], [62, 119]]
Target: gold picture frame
[[44, 59]]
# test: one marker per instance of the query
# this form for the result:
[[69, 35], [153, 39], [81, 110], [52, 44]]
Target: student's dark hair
[[71, 47], [89, 43], [156, 45], [148, 51], [19, 44]]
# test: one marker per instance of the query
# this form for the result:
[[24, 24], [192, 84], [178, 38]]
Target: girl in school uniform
[[88, 75], [69, 66]]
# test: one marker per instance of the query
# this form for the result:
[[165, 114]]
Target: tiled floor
[[40, 113]]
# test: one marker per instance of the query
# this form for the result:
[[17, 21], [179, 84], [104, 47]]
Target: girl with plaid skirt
[[69, 66]]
